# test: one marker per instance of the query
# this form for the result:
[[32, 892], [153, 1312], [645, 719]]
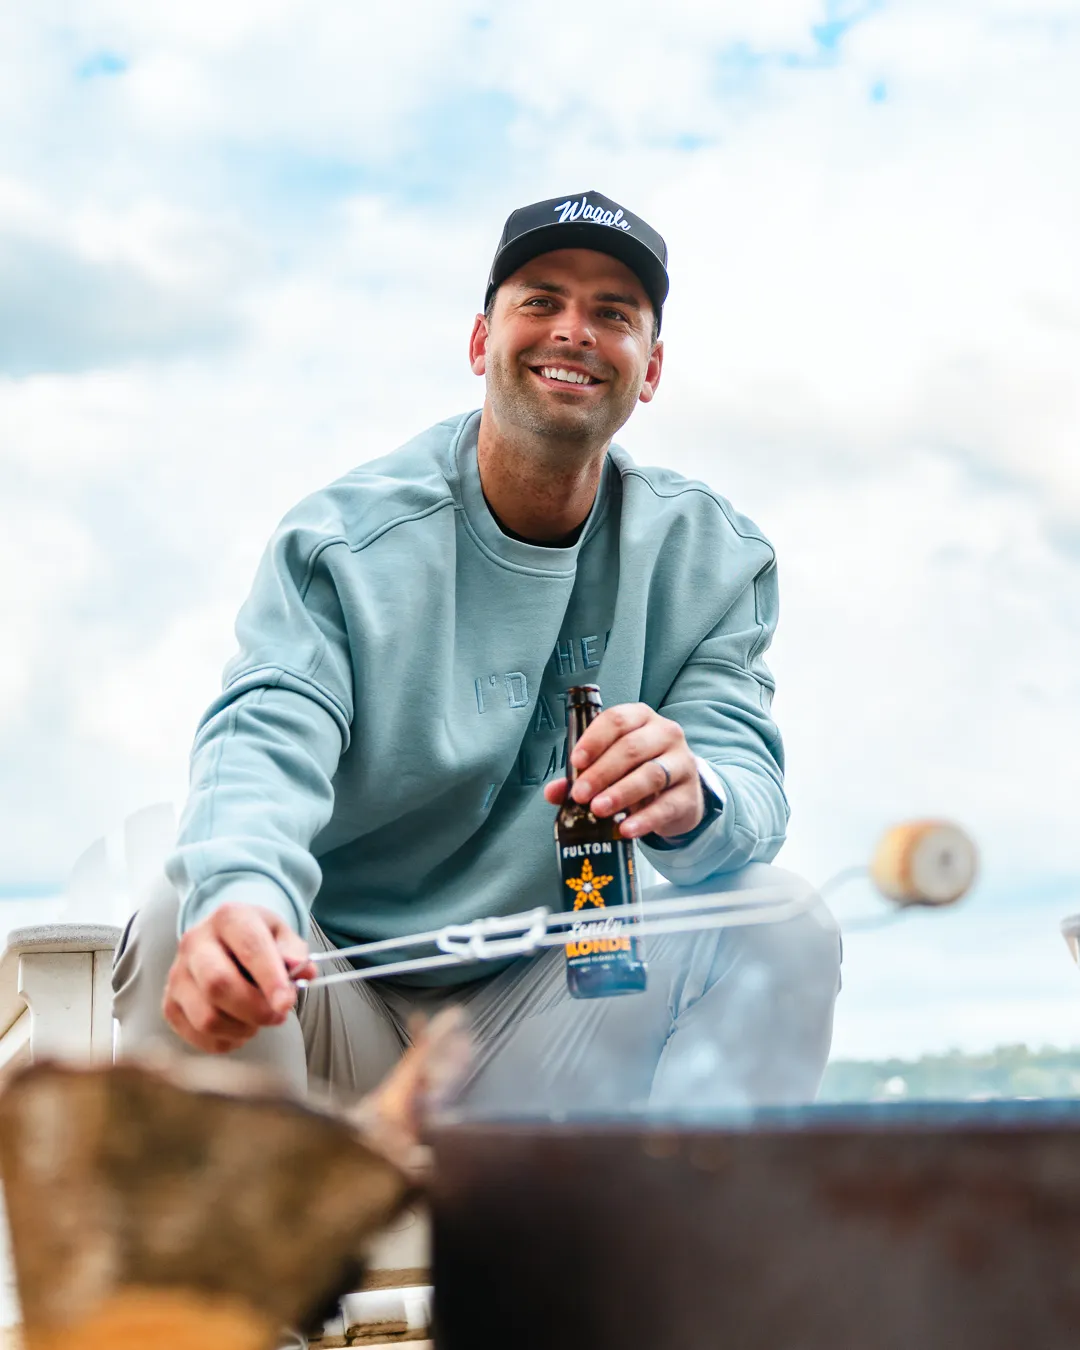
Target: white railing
[[56, 993]]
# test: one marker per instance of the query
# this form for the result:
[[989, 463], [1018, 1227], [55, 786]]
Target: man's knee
[[794, 942], [800, 945], [147, 949]]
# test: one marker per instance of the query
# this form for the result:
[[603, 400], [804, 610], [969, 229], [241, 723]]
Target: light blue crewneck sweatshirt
[[377, 755]]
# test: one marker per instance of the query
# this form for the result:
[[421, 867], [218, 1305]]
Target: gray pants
[[731, 1017]]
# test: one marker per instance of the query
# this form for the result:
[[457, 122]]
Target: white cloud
[[97, 287], [928, 663], [47, 558], [150, 705], [872, 279], [343, 82]]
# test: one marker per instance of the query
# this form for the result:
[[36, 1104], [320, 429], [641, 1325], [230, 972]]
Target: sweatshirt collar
[[484, 527]]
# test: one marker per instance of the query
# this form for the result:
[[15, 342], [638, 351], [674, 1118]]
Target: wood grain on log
[[132, 1194]]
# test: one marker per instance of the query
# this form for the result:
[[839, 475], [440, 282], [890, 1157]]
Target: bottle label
[[600, 876]]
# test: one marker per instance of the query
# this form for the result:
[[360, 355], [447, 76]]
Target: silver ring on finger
[[667, 774]]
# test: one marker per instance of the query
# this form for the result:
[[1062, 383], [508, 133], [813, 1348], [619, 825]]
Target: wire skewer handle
[[508, 936]]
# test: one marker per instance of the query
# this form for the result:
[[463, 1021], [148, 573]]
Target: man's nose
[[573, 326]]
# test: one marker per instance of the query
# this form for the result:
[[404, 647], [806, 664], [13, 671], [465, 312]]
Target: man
[[373, 767]]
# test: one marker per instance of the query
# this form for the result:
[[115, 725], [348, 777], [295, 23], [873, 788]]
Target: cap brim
[[640, 259]]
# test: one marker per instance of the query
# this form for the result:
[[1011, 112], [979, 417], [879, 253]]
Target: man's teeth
[[570, 376]]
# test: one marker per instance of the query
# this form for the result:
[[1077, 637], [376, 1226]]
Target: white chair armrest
[[64, 937], [60, 972]]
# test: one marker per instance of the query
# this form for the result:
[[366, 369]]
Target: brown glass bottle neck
[[581, 715]]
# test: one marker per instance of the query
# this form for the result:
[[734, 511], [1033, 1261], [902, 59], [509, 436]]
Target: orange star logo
[[588, 887]]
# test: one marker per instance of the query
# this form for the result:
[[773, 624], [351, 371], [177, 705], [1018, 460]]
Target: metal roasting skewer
[[923, 863], [494, 939], [513, 923]]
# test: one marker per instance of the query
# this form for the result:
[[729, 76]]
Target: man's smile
[[567, 379]]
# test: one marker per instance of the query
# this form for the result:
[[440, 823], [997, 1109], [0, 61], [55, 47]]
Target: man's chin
[[565, 422]]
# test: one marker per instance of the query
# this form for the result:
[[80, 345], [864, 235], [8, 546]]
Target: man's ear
[[478, 346], [652, 373]]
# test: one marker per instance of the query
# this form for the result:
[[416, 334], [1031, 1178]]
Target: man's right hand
[[232, 975]]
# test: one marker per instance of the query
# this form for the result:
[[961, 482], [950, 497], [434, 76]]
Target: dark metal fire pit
[[875, 1228]]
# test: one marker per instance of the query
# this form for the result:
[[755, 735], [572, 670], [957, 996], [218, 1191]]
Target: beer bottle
[[596, 866]]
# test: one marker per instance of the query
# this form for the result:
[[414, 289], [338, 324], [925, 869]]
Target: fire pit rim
[[1046, 1115]]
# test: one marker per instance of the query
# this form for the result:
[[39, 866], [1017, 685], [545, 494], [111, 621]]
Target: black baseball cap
[[586, 220]]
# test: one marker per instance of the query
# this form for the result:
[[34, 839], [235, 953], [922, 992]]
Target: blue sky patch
[[738, 69], [101, 65], [452, 148], [828, 35], [840, 17], [740, 66], [297, 175], [459, 143], [31, 890]]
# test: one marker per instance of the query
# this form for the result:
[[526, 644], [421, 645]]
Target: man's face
[[576, 313]]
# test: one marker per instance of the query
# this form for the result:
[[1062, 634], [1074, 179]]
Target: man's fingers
[[301, 970], [291, 945], [637, 788], [219, 980], [246, 933], [655, 740], [609, 727], [231, 976], [555, 791], [293, 948], [196, 1021], [671, 814]]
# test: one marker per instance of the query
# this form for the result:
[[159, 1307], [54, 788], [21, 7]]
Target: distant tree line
[[1008, 1071]]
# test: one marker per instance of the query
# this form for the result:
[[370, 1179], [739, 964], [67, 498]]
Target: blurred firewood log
[[152, 1207]]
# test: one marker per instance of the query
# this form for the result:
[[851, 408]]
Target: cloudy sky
[[241, 246]]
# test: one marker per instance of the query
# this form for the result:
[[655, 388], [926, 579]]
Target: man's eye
[[538, 300], [615, 313]]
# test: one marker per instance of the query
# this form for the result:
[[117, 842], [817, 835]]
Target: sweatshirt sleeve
[[722, 698], [266, 750]]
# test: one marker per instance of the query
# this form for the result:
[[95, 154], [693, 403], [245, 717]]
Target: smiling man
[[389, 744]]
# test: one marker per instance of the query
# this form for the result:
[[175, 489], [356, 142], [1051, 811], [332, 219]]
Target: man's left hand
[[621, 761]]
